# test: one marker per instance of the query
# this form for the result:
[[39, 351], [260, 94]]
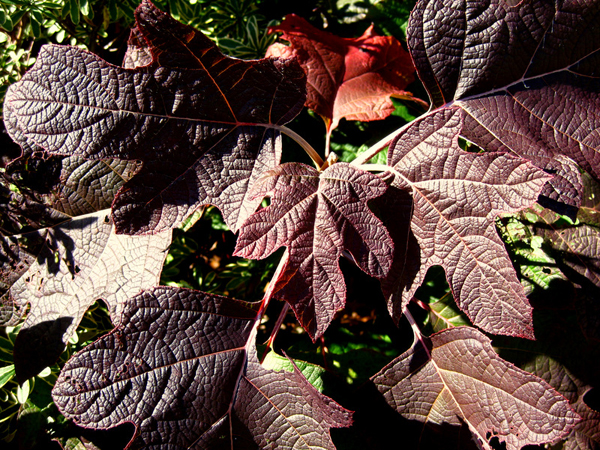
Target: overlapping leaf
[[525, 78], [204, 125], [455, 198], [61, 269], [317, 216], [71, 266], [351, 78], [182, 367], [577, 244], [458, 378], [586, 433]]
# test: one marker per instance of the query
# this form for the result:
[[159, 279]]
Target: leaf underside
[[456, 197], [459, 379], [541, 66]]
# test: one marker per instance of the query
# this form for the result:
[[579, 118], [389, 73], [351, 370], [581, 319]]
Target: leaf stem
[[282, 314], [302, 143], [416, 331], [374, 149]]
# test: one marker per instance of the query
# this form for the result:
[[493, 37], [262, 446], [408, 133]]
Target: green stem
[[302, 143]]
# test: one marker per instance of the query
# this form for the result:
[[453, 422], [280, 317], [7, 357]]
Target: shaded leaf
[[540, 67], [578, 245], [182, 367], [537, 269], [589, 212], [65, 269], [204, 125], [311, 372], [317, 216], [456, 196], [351, 78], [458, 378], [586, 433]]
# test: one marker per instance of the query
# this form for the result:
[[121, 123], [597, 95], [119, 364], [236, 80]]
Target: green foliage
[[28, 416]]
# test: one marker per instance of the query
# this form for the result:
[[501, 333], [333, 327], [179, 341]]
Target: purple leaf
[[317, 216], [586, 433], [456, 198], [458, 378], [525, 78], [71, 266], [182, 367], [204, 125]]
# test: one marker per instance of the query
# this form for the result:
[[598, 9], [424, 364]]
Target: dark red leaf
[[456, 198], [524, 75], [351, 78], [204, 125], [317, 216], [182, 367], [458, 378]]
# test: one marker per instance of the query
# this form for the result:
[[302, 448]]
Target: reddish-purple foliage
[[518, 81]]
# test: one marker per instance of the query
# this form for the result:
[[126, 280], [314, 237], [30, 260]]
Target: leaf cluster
[[475, 221]]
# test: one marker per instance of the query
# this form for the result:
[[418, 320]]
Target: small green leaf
[[35, 28], [312, 372], [445, 314], [23, 392], [17, 15], [74, 10], [8, 24], [112, 9], [6, 374]]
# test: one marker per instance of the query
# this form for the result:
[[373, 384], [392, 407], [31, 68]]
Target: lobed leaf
[[62, 271], [317, 216], [455, 198], [457, 378], [182, 367], [586, 433], [351, 78], [204, 125], [536, 91]]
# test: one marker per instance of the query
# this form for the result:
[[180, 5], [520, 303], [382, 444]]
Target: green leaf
[[17, 15], [445, 314], [312, 372], [74, 10], [23, 392], [35, 28], [7, 24], [6, 374]]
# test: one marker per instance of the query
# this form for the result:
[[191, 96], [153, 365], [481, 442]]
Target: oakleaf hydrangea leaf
[[182, 367], [317, 215], [457, 378], [203, 124], [71, 265], [351, 78], [456, 198], [577, 245], [586, 433], [524, 75]]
